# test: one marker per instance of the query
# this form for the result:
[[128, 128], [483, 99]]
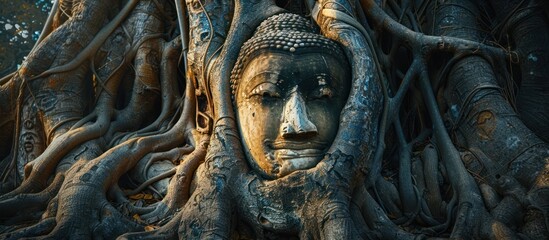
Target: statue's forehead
[[287, 70], [289, 63]]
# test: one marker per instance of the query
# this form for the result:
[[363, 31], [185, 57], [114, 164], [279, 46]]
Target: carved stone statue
[[289, 86]]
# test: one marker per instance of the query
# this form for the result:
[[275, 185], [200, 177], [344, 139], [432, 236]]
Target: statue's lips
[[286, 150], [285, 154], [296, 145], [298, 157]]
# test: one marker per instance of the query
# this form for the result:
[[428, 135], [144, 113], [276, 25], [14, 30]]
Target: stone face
[[288, 109], [20, 25], [288, 101]]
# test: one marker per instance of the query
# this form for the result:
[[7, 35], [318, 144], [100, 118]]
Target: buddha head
[[289, 87]]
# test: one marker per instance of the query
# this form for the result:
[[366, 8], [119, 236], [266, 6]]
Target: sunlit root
[[168, 87], [89, 180], [94, 44], [40, 169], [179, 188], [154, 164]]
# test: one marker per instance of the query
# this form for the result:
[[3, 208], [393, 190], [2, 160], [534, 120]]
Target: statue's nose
[[295, 121]]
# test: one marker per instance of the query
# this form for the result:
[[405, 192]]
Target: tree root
[[89, 180], [41, 168], [145, 175], [144, 93], [41, 228], [430, 163], [375, 217], [94, 45], [32, 201], [470, 205], [168, 87], [180, 187], [45, 164], [167, 231], [389, 200]]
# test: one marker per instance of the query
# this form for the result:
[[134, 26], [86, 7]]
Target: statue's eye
[[265, 91], [322, 92]]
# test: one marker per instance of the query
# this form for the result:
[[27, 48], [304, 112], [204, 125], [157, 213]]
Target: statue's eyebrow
[[254, 80], [278, 77], [264, 73]]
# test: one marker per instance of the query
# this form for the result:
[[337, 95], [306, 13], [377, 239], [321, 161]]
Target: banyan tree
[[264, 119]]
